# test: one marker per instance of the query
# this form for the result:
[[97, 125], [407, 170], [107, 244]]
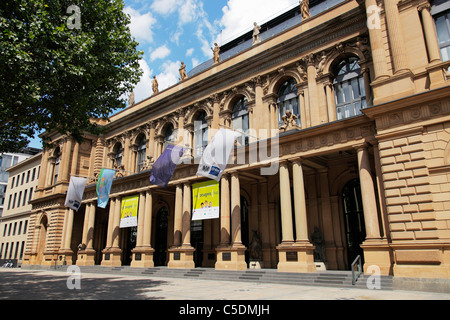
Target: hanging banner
[[129, 212], [164, 167], [205, 200], [104, 183], [215, 156], [75, 193]]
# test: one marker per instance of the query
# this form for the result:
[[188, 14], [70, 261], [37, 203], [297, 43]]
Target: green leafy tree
[[63, 64]]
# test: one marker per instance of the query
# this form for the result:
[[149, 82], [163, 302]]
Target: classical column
[[186, 235], [301, 222], [235, 210], [178, 216], [141, 217], [69, 229], [331, 103], [86, 257], [74, 167], [294, 256], [368, 194], [312, 91], [181, 255], [396, 40], [376, 44], [225, 210], [376, 250], [112, 252], [434, 54], [285, 203], [65, 161], [148, 219]]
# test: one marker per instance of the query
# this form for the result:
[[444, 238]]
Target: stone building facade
[[363, 170]]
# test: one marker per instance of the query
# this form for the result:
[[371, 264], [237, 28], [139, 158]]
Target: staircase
[[339, 279]]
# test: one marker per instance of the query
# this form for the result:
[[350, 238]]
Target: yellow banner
[[129, 212], [205, 200]]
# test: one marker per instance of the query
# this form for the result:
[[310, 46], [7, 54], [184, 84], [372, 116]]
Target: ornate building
[[361, 166]]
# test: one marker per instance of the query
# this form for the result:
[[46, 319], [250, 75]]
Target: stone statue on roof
[[155, 85], [304, 9], [256, 33], [216, 53], [131, 99], [183, 74]]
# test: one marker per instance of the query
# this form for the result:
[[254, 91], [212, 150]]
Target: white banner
[[216, 154], [75, 193]]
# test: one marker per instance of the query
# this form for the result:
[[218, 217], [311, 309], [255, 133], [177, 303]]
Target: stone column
[[376, 250], [181, 255], [225, 210], [143, 252], [396, 41], [86, 257], [434, 54], [65, 161], [74, 167], [331, 103], [186, 235], [112, 252], [178, 216], [285, 203], [235, 210], [312, 91], [301, 222], [231, 256], [66, 250], [298, 256], [368, 194], [376, 44]]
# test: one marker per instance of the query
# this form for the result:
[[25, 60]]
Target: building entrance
[[197, 241], [354, 220], [128, 236], [160, 255]]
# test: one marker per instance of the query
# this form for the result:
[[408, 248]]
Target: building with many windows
[[22, 183], [345, 122]]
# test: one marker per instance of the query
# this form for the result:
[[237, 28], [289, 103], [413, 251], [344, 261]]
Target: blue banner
[[104, 184], [164, 167]]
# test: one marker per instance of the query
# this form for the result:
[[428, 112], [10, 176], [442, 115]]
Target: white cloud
[[170, 74], [141, 25], [165, 7], [143, 90], [160, 53], [239, 16], [189, 52]]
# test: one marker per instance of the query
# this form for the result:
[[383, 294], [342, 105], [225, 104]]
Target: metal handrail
[[356, 274]]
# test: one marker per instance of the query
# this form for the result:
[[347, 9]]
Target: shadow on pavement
[[36, 286]]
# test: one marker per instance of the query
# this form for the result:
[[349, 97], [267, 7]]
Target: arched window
[[200, 134], [288, 100], [240, 119], [118, 154], [141, 152], [349, 89], [169, 134]]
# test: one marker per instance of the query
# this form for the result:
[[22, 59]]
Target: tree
[[62, 64]]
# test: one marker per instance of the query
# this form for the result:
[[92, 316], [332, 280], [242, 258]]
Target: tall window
[[443, 32], [200, 134], [288, 100], [349, 89], [169, 135], [240, 119], [56, 170], [118, 154], [141, 152]]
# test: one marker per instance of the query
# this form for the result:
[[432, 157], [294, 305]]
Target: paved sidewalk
[[21, 284]]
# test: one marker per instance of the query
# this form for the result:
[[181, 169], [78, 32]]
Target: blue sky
[[171, 31]]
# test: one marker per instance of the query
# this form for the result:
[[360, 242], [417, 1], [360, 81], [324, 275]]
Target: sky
[[172, 31]]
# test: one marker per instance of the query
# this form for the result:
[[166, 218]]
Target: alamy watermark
[[74, 280], [373, 17], [74, 20]]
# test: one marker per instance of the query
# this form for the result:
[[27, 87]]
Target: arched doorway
[[128, 239], [355, 230], [160, 254]]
